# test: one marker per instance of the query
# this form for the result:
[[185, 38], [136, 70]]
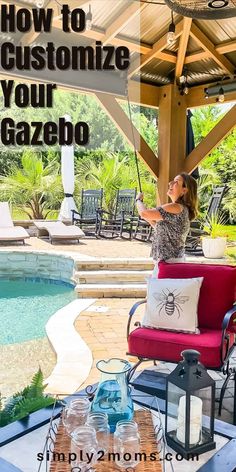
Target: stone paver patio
[[105, 333], [89, 247]]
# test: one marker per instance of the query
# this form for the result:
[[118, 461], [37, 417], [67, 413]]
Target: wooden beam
[[122, 122], [208, 46], [183, 43], [31, 36], [226, 47], [157, 47], [171, 136], [223, 48], [139, 94], [196, 97], [196, 56], [143, 94], [98, 34], [95, 33], [206, 146], [128, 14], [167, 56]]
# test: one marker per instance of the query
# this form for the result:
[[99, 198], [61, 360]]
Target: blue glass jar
[[113, 394]]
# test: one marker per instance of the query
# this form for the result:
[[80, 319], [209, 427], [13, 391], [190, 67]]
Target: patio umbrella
[[190, 145], [68, 180]]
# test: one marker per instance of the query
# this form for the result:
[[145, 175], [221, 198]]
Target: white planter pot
[[214, 248]]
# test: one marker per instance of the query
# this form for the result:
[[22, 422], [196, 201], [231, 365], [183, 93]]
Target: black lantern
[[190, 400]]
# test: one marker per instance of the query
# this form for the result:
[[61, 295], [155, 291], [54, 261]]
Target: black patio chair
[[86, 219], [193, 242], [114, 225], [143, 230]]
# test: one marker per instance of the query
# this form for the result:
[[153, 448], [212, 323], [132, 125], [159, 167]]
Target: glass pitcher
[[113, 394]]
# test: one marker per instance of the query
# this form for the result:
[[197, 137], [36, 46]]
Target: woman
[[171, 221]]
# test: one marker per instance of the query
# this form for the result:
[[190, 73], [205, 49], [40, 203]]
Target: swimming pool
[[27, 304]]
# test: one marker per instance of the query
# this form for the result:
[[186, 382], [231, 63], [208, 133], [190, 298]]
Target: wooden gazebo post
[[172, 136]]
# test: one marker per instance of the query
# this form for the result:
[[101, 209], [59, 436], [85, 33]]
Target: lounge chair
[[56, 230], [9, 232]]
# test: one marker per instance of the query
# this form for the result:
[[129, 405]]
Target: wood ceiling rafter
[[157, 48], [209, 47], [31, 36], [223, 48], [216, 52], [183, 44], [127, 15], [97, 35]]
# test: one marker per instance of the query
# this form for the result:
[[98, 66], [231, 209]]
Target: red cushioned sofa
[[216, 314]]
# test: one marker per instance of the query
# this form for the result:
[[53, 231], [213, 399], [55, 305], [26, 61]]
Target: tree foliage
[[113, 172], [219, 168], [33, 186]]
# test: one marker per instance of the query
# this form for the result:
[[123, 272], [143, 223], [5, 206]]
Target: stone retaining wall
[[27, 264]]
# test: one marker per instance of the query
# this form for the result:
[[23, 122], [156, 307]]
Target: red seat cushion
[[167, 346], [218, 290]]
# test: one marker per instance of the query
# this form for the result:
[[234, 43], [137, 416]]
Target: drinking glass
[[75, 414], [126, 444], [99, 421], [84, 448]]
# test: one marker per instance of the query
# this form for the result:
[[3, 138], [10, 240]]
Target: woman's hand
[[139, 196]]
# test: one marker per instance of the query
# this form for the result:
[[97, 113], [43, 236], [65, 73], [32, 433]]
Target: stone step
[[135, 290], [111, 276], [120, 263]]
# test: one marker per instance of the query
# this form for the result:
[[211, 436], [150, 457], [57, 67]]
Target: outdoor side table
[[36, 435]]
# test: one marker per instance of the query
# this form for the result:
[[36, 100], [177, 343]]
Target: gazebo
[[195, 68]]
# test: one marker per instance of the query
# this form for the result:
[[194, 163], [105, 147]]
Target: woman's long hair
[[189, 199]]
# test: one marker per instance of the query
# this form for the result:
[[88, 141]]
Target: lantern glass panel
[[174, 394], [205, 395]]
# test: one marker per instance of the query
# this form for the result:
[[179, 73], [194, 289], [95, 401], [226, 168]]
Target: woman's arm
[[150, 215]]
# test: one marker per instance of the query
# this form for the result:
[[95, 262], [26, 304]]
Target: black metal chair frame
[[225, 368], [193, 242], [142, 231], [91, 201], [113, 225]]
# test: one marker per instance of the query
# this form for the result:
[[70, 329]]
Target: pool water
[[26, 306]]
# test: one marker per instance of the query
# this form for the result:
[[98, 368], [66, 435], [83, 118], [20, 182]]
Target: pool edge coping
[[69, 372]]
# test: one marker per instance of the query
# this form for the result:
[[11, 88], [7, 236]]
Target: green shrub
[[22, 403]]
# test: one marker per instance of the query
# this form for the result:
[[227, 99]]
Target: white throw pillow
[[172, 304]]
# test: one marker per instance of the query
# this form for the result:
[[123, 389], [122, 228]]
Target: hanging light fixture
[[220, 90], [186, 89], [171, 31], [89, 18], [208, 10], [183, 80], [218, 4], [39, 3], [221, 97]]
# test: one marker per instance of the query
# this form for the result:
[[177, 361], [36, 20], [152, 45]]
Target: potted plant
[[214, 243]]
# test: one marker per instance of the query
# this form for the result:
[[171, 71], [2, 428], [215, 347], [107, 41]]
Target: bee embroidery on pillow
[[170, 302]]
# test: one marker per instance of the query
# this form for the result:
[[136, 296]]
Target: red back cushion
[[218, 290]]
